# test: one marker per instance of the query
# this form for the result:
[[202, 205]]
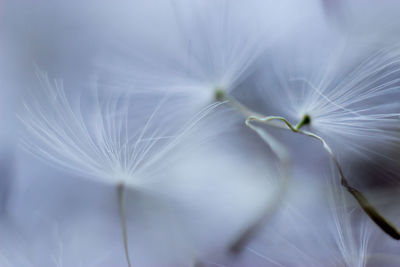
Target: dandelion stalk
[[121, 191], [368, 208], [283, 156], [222, 96], [279, 150]]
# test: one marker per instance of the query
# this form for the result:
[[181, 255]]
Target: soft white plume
[[104, 142], [350, 93]]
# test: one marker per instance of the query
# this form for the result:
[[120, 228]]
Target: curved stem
[[242, 109], [280, 151], [121, 190], [368, 208]]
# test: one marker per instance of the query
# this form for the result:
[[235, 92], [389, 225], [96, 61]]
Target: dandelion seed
[[353, 106], [360, 106], [100, 146]]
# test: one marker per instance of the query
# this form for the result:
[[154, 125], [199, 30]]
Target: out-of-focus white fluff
[[207, 45], [221, 185], [316, 226]]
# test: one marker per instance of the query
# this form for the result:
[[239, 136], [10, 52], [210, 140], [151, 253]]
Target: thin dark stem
[[121, 190], [368, 208], [372, 212]]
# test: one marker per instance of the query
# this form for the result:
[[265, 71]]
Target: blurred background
[[223, 175]]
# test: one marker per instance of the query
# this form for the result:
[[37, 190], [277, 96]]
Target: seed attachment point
[[306, 120], [219, 94]]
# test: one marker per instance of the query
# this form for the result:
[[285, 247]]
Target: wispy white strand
[[99, 145]]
